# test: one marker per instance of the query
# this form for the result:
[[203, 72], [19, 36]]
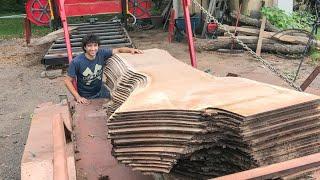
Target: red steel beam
[[63, 17], [65, 28], [278, 170], [60, 165], [186, 4], [93, 8]]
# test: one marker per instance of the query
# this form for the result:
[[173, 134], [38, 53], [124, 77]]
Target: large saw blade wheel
[[138, 8], [38, 12]]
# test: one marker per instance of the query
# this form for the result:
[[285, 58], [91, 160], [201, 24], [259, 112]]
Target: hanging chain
[[264, 62]]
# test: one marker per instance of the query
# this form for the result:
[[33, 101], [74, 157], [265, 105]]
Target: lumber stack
[[167, 117]]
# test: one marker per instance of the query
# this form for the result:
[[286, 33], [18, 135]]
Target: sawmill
[[165, 119]]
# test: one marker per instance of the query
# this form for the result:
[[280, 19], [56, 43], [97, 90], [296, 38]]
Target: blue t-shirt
[[89, 72]]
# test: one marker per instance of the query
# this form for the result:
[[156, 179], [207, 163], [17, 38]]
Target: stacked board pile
[[167, 117]]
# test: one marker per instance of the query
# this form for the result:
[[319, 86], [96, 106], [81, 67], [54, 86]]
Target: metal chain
[[264, 62]]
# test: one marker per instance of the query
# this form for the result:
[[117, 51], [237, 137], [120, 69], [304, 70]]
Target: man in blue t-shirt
[[87, 69]]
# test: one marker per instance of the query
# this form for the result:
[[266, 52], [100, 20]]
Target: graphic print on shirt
[[89, 76]]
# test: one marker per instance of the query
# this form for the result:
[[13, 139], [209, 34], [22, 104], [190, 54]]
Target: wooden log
[[268, 46], [250, 31], [224, 41], [49, 38], [253, 22], [279, 37]]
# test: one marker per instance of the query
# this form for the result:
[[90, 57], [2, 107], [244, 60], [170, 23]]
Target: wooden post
[[263, 25], [310, 78], [259, 44], [27, 30]]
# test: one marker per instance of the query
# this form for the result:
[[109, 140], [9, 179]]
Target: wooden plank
[[259, 44], [51, 37], [37, 159], [310, 78]]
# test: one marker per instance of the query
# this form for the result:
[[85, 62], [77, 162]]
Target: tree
[[305, 5], [9, 6]]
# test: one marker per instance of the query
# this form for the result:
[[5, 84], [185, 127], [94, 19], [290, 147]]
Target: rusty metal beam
[[94, 149]]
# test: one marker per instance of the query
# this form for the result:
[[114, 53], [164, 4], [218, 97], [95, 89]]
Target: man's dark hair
[[89, 38]]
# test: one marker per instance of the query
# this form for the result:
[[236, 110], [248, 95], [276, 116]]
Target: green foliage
[[157, 3], [12, 6], [156, 7], [314, 52], [298, 19], [315, 56], [155, 11]]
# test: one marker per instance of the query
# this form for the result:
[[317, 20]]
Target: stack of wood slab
[[167, 117]]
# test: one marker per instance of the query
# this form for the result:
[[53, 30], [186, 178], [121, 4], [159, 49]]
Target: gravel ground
[[22, 89]]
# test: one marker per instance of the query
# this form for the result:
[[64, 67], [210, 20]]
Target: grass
[[13, 28]]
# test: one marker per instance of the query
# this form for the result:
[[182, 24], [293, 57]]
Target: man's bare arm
[[126, 50], [68, 82]]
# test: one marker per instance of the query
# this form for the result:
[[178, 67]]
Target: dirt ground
[[22, 88]]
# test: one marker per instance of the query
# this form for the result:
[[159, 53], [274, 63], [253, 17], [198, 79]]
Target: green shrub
[[12, 6], [298, 19]]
